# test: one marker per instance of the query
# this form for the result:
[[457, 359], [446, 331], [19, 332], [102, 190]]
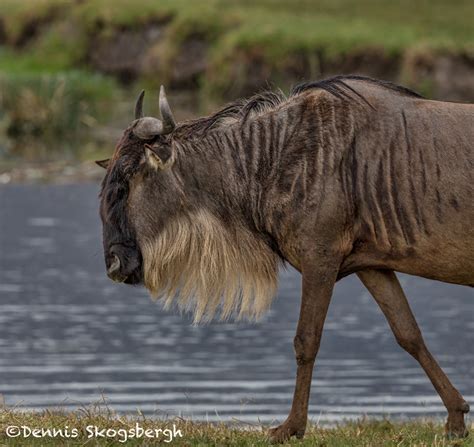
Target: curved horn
[[168, 121], [139, 105], [148, 127]]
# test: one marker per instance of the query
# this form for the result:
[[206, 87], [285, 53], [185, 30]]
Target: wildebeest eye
[[158, 156]]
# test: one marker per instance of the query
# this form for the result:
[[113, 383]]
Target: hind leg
[[385, 288]]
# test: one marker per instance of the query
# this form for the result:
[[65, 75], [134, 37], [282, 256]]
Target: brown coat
[[347, 175]]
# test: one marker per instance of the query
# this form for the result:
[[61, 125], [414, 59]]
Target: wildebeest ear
[[103, 163], [158, 156]]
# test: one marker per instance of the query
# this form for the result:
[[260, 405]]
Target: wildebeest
[[346, 175]]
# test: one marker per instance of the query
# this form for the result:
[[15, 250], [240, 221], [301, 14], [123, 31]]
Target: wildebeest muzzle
[[124, 264]]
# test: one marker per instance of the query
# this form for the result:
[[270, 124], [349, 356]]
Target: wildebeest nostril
[[115, 265], [113, 272]]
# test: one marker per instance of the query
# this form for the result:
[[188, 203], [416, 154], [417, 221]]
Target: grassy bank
[[363, 433], [217, 45], [63, 29], [93, 53]]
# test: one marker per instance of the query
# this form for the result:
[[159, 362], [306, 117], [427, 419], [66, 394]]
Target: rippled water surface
[[69, 336]]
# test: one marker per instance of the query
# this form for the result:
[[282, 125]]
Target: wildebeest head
[[163, 230], [144, 151]]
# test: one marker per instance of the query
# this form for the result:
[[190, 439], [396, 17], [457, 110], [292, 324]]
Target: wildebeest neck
[[237, 169], [266, 169]]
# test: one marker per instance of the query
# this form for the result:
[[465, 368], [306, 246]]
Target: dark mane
[[338, 87], [242, 109], [239, 110]]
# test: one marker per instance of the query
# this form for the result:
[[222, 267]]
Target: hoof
[[455, 427], [458, 434], [284, 432]]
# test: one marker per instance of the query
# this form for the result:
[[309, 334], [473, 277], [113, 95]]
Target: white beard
[[202, 266]]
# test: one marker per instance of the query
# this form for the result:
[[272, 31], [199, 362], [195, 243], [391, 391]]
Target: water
[[70, 337]]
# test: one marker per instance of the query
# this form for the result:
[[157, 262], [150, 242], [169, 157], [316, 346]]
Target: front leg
[[318, 283]]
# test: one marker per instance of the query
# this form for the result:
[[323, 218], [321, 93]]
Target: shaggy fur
[[201, 266]]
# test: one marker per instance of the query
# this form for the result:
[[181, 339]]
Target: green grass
[[342, 26], [277, 26], [17, 15], [362, 433], [41, 115], [299, 22]]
